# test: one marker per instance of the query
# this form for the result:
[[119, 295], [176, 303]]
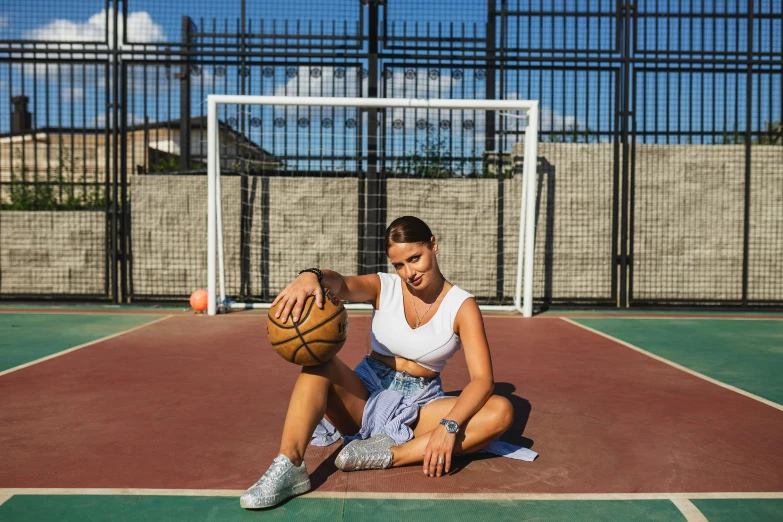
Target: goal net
[[295, 182]]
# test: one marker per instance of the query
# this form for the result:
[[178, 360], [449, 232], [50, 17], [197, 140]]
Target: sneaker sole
[[287, 493]]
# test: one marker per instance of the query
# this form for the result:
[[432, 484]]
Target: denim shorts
[[402, 382]]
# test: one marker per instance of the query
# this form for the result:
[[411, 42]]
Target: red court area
[[198, 403]]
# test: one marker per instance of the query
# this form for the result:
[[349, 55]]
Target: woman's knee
[[328, 369], [501, 413]]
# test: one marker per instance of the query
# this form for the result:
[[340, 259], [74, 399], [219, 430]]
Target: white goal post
[[216, 270]]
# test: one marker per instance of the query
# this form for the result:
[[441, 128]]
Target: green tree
[[431, 159]]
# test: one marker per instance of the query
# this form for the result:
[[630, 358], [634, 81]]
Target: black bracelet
[[318, 273]]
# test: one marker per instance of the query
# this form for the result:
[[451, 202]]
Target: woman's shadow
[[521, 414], [513, 435]]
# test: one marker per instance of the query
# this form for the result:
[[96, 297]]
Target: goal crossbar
[[523, 296]]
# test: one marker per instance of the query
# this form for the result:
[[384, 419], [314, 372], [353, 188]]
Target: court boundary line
[[4, 498], [347, 495], [85, 345], [678, 366], [94, 311], [689, 510]]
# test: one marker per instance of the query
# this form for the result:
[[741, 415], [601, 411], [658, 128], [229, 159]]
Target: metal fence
[[661, 130]]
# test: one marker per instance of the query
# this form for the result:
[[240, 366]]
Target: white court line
[[3, 498], [399, 496], [85, 345], [678, 366], [688, 510]]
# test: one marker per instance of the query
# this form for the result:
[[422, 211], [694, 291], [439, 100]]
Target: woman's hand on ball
[[292, 298]]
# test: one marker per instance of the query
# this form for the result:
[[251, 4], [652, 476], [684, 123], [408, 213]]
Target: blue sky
[[569, 98]]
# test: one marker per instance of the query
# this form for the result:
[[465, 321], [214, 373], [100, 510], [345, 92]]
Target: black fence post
[[489, 142], [112, 117], [748, 150], [376, 183], [246, 215], [124, 223], [184, 97], [491, 129], [624, 115]]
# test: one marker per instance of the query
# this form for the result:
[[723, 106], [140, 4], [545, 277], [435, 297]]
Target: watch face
[[451, 426]]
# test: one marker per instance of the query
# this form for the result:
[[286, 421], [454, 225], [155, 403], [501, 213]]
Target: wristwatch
[[451, 426]]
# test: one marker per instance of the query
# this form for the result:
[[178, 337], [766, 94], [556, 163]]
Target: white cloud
[[329, 82], [141, 28], [427, 83], [3, 22], [91, 34], [69, 92], [552, 120], [320, 81], [461, 130]]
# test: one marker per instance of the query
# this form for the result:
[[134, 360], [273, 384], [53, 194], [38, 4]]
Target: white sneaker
[[281, 481], [372, 453]]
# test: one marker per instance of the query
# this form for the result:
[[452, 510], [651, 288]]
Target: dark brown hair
[[407, 229]]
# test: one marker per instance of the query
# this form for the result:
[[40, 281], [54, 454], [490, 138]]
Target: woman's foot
[[281, 481], [372, 453]]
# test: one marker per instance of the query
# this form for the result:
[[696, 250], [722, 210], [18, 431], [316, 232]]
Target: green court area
[[740, 510], [26, 337], [747, 354], [164, 508]]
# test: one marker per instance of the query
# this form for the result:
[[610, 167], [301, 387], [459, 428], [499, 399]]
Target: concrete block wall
[[688, 223], [765, 241], [312, 222], [688, 228], [52, 252], [573, 253], [168, 234]]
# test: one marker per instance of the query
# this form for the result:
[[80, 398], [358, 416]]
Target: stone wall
[[689, 223], [574, 193], [311, 222], [765, 241], [44, 253], [688, 228]]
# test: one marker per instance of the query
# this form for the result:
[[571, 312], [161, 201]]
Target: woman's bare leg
[[330, 389], [492, 419]]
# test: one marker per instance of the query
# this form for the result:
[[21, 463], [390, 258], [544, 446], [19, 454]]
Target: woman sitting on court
[[392, 403]]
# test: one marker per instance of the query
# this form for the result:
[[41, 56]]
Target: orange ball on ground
[[199, 300]]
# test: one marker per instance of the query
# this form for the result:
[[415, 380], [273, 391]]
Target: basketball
[[198, 300], [316, 337]]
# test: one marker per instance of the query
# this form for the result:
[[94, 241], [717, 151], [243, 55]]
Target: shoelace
[[271, 471], [373, 459]]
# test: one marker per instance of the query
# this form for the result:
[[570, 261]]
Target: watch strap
[[447, 423]]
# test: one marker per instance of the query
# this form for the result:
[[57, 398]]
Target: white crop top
[[429, 345]]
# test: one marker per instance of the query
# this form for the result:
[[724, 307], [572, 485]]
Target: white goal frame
[[523, 294]]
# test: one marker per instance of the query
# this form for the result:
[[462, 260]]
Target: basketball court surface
[[156, 414]]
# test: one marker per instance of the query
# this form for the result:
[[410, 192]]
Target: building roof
[[199, 122]]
